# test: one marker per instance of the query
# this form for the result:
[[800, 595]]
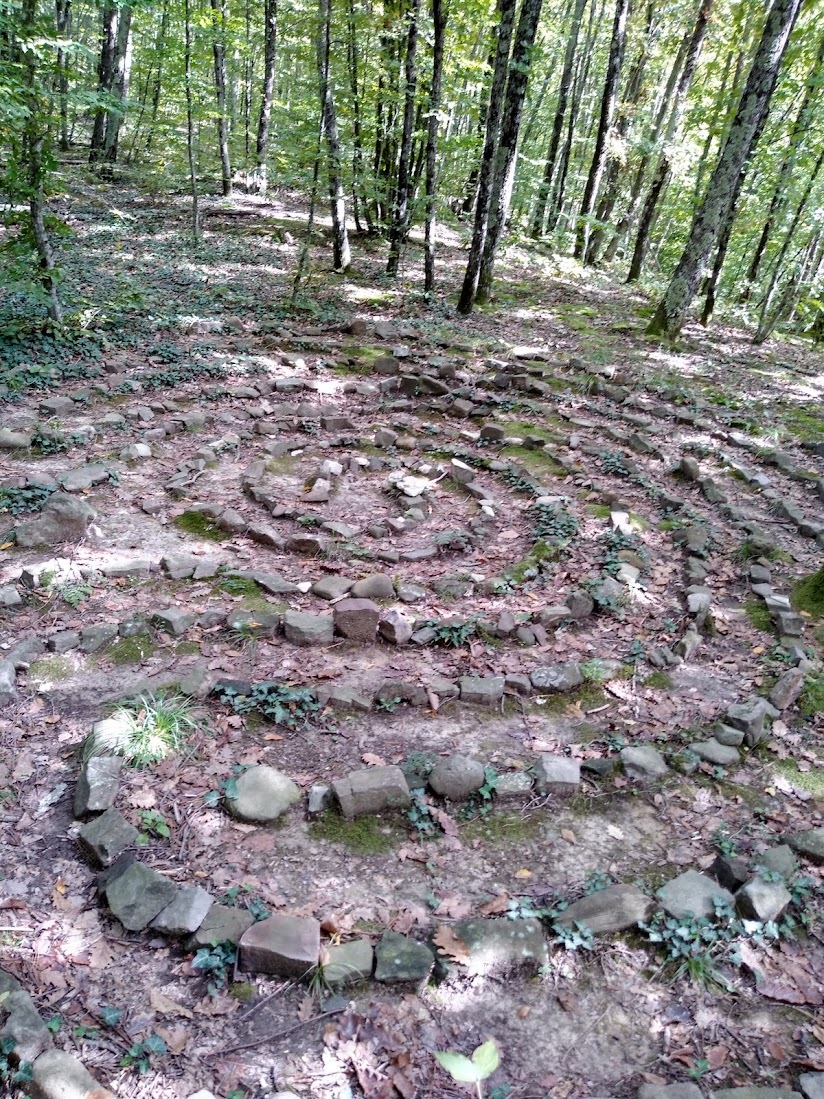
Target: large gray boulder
[[62, 519], [262, 795]]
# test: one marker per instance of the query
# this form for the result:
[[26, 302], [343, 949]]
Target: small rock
[[173, 620], [557, 677], [138, 895], [262, 795], [94, 638], [357, 619], [23, 1023], [62, 519], [97, 785], [318, 800], [349, 962], [755, 1093], [762, 900], [722, 755], [809, 843], [686, 646], [780, 860], [498, 946], [812, 1084], [10, 597], [615, 908], [786, 691], [481, 690], [8, 682], [58, 1075], [395, 628], [580, 604], [749, 717], [643, 762], [376, 586], [285, 946], [371, 791], [557, 774], [308, 629], [185, 912], [332, 587], [670, 1091], [731, 871], [221, 925], [692, 894], [457, 777], [105, 837], [398, 958]]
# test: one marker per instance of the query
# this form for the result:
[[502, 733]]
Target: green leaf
[[110, 1015], [460, 1068], [486, 1059]]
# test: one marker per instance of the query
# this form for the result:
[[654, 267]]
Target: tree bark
[[105, 79], [663, 169], [270, 20], [439, 20], [360, 205], [716, 204], [608, 101], [63, 21], [120, 86], [539, 214], [222, 122], [400, 213], [506, 21], [342, 258], [190, 123], [506, 154]]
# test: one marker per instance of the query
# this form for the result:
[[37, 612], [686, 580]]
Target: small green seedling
[[152, 823], [483, 1063], [139, 1054]]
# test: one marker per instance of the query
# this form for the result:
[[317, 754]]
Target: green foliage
[[577, 937], [9, 1075], [74, 592], [152, 823], [293, 707], [253, 904], [452, 635], [140, 1055], [362, 836], [200, 526], [145, 729], [18, 501], [811, 702], [485, 1060], [808, 595], [553, 524], [217, 962], [613, 462], [597, 881]]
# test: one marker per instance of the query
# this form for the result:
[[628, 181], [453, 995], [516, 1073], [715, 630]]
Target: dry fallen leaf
[[371, 760], [568, 835], [164, 1005], [306, 1011], [496, 906], [450, 945], [523, 873]]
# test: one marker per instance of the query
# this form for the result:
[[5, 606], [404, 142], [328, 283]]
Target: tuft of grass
[[811, 702], [145, 729], [364, 836], [238, 585], [758, 614], [200, 526], [537, 462], [131, 650], [808, 595]]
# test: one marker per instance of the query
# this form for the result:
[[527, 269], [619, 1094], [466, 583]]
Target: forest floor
[[595, 415]]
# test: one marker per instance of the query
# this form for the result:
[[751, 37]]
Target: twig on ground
[[276, 1037]]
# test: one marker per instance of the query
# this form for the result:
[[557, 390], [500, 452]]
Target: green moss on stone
[[659, 681], [130, 650], [51, 669], [364, 836], [758, 614], [809, 594], [200, 526]]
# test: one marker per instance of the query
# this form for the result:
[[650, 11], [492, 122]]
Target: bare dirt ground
[[191, 326]]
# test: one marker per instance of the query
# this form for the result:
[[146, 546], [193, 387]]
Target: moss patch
[[51, 669], [130, 650], [284, 464], [758, 614], [809, 594], [200, 526], [600, 511], [813, 780], [536, 462], [811, 702], [364, 836], [238, 585], [585, 698], [503, 828], [659, 681]]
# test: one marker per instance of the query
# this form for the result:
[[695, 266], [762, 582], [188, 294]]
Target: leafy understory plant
[[217, 961], [139, 1055], [8, 1073], [145, 729], [294, 707], [474, 1070], [152, 823]]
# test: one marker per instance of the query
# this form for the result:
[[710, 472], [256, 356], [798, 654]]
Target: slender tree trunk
[[608, 101], [34, 136], [400, 213], [470, 189], [506, 154], [709, 217], [157, 86], [663, 169], [439, 19], [64, 29], [123, 72], [767, 321], [506, 21], [539, 214], [190, 123], [340, 239], [270, 36], [800, 127], [105, 79], [222, 122], [360, 204], [313, 202]]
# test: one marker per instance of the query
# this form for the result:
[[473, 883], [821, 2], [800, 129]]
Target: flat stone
[[348, 963], [371, 791], [557, 774], [58, 1075], [762, 900], [222, 924], [173, 620], [725, 734], [341, 697], [62, 519], [398, 958], [780, 860], [14, 440], [138, 895], [498, 946], [357, 619], [253, 623], [731, 871], [263, 795], [457, 777], [812, 1084], [809, 843], [332, 587], [786, 691], [285, 946], [755, 1093], [376, 586], [481, 690], [749, 717], [10, 597], [83, 478], [185, 912], [308, 629], [23, 1023], [692, 894], [395, 627], [670, 1091], [557, 677], [105, 837], [722, 755], [97, 785], [94, 638], [8, 682], [643, 762], [686, 646], [615, 908]]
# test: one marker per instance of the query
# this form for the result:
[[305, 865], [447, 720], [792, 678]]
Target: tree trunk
[[222, 122], [439, 18], [270, 18], [123, 72], [157, 86], [506, 21], [505, 157], [539, 214], [105, 79], [190, 124], [63, 21], [329, 123], [360, 204], [400, 213], [608, 101], [663, 169], [710, 215], [800, 127]]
